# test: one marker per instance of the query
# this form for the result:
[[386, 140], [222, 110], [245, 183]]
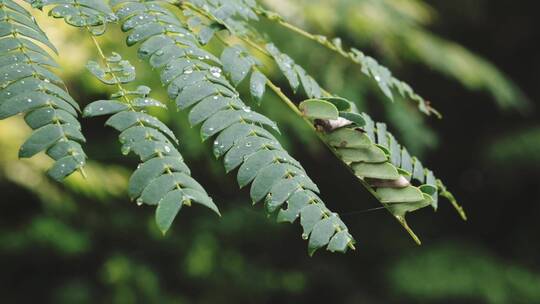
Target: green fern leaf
[[162, 179], [93, 14], [384, 79], [27, 86], [378, 162], [400, 182], [194, 78], [242, 10]]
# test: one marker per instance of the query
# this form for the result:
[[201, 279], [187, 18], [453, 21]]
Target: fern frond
[[338, 112], [91, 14], [162, 178], [27, 86], [378, 161], [387, 83], [229, 13], [398, 180], [194, 79]]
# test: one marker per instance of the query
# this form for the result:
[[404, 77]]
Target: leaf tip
[[403, 223]]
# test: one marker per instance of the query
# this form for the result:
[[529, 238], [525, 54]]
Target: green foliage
[[375, 157], [370, 67], [94, 14], [82, 241], [162, 178], [399, 32], [375, 160], [28, 87], [195, 80], [208, 87]]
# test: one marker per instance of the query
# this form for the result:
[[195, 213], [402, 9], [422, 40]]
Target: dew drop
[[215, 71]]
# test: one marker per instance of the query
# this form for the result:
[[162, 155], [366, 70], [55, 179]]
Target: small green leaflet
[[318, 109]]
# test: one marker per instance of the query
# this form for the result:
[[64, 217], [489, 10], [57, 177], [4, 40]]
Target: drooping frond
[[205, 85], [398, 180], [162, 178], [377, 162], [27, 86], [194, 79]]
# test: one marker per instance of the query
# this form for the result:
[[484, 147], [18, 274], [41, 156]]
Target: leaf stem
[[317, 38], [116, 80]]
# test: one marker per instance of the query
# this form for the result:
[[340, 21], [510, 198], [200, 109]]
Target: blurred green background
[[85, 242]]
